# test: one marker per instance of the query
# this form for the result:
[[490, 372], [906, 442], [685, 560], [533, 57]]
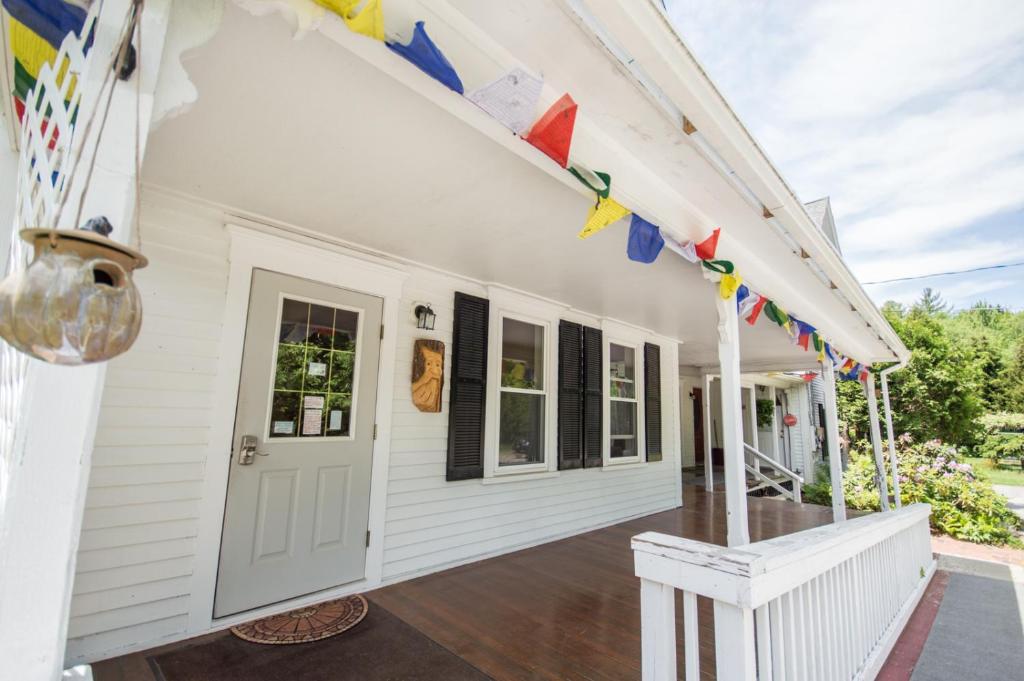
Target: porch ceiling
[[307, 133]]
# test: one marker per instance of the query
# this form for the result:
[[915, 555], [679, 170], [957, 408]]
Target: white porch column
[[752, 421], [732, 422], [47, 468], [892, 440], [835, 457], [876, 441], [709, 464], [775, 424]]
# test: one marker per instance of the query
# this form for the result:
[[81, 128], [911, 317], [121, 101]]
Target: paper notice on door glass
[[313, 402], [334, 423], [284, 427], [312, 421], [317, 369]]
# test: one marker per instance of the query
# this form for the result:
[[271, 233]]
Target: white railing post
[[876, 441], [752, 420], [734, 642], [773, 395], [824, 603], [657, 631], [732, 423], [889, 434], [835, 457], [709, 462]]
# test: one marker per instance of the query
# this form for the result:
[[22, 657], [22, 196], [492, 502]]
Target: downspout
[[888, 428]]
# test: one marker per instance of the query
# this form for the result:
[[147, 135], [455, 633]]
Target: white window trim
[[508, 304], [638, 381]]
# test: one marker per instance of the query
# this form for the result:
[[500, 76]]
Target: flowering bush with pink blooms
[[931, 472]]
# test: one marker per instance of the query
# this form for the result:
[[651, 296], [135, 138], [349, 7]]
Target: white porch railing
[[819, 605], [795, 495]]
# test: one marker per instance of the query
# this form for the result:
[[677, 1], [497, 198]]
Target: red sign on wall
[[789, 420]]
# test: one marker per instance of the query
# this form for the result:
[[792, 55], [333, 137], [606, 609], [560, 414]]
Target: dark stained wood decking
[[568, 609]]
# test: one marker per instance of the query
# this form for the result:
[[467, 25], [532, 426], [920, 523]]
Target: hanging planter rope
[[76, 302]]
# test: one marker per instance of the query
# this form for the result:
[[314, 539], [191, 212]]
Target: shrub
[[963, 507], [1003, 436]]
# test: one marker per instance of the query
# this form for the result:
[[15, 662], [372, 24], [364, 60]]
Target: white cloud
[[910, 115]]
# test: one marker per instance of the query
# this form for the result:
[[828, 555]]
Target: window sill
[[518, 477], [612, 466]]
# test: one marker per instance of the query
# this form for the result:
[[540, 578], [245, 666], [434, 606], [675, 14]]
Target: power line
[[944, 274]]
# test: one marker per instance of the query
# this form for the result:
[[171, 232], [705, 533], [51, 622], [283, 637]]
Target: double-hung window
[[522, 427], [624, 406]]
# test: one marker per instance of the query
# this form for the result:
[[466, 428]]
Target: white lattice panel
[[47, 150]]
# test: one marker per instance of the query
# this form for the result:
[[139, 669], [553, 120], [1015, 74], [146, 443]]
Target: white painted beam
[[876, 441], [752, 421], [835, 457], [709, 463], [49, 467], [773, 395], [893, 461], [732, 422]]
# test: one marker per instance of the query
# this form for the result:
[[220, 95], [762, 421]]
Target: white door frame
[[307, 258]]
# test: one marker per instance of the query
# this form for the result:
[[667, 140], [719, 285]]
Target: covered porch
[[568, 609]]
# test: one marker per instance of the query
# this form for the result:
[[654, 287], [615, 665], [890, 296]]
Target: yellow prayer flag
[[32, 52], [603, 214], [821, 353], [368, 21], [728, 285]]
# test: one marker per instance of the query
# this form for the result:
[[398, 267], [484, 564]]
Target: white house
[[305, 191]]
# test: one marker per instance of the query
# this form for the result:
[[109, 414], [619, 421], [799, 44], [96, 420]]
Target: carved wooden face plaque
[[427, 374]]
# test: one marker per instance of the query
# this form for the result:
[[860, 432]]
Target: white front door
[[298, 494]]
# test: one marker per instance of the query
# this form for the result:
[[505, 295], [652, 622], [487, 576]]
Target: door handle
[[247, 451]]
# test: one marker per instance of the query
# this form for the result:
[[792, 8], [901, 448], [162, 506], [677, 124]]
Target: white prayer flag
[[512, 99]]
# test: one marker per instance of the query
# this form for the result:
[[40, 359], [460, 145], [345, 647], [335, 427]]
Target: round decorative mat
[[304, 625]]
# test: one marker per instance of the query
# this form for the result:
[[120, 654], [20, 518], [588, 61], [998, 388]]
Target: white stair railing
[[766, 460], [826, 603]]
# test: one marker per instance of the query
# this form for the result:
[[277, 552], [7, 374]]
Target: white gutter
[[807, 231], [888, 428]]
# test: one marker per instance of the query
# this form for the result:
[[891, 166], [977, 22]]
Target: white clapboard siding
[[137, 554], [433, 524], [138, 543]]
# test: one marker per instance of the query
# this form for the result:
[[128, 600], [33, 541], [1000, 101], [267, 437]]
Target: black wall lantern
[[425, 317]]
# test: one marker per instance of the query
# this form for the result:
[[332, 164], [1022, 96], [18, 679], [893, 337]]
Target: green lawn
[[1007, 473]]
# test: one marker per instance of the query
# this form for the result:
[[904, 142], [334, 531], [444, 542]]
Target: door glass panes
[[622, 395], [313, 375]]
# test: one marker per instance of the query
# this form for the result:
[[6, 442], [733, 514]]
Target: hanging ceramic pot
[[76, 302]]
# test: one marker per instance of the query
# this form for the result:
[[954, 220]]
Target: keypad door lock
[[247, 451]]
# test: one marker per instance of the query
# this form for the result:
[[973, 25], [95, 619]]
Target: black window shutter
[[468, 388], [593, 397], [570, 395], [652, 400]]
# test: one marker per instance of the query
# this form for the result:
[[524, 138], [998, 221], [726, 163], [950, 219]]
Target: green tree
[[940, 392]]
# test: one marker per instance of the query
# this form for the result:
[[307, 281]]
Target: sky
[[909, 115]]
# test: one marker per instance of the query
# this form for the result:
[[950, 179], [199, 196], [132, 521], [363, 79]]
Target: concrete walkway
[[977, 633], [1015, 495]]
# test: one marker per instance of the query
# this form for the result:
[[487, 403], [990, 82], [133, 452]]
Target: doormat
[[307, 624], [381, 648]]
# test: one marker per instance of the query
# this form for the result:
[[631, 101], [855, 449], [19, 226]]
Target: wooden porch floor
[[569, 609]]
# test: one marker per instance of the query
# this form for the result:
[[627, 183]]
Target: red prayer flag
[[804, 340], [756, 312], [552, 133], [706, 249]]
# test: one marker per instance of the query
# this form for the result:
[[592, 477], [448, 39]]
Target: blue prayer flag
[[422, 52], [645, 240]]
